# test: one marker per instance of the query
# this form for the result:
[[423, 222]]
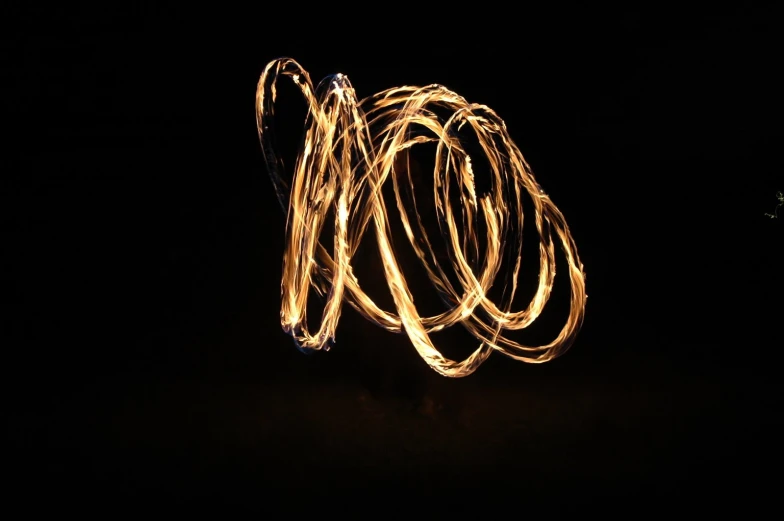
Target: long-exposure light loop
[[350, 150]]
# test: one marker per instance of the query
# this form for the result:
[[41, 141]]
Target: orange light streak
[[343, 166]]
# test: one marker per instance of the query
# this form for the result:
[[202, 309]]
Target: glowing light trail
[[775, 214], [349, 152]]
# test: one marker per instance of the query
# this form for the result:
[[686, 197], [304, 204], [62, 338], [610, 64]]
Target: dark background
[[142, 249]]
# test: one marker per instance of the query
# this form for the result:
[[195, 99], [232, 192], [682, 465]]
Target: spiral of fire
[[349, 153]]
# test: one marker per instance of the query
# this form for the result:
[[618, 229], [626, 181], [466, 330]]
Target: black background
[[142, 249]]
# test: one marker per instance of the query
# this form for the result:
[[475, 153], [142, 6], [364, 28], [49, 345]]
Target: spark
[[348, 155]]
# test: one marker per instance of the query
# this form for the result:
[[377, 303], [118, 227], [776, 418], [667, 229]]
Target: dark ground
[[146, 365]]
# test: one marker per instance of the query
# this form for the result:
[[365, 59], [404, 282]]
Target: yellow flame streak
[[343, 167]]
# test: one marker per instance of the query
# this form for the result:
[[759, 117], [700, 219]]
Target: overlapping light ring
[[350, 148]]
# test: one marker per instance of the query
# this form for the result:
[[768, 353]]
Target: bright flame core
[[343, 166]]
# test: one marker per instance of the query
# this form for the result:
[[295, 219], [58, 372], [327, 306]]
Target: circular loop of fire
[[349, 153]]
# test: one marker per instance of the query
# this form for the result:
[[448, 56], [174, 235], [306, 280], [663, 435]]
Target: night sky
[[142, 249]]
